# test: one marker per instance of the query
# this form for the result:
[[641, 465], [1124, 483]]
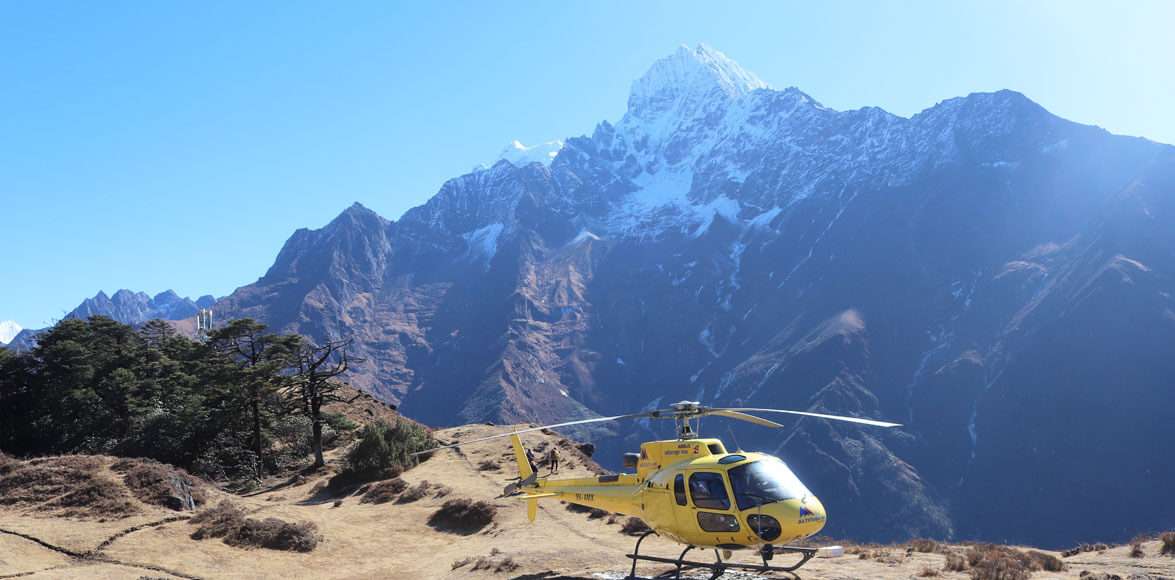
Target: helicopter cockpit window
[[764, 481], [708, 491], [679, 489]]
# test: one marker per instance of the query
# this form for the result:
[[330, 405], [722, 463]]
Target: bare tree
[[314, 386]]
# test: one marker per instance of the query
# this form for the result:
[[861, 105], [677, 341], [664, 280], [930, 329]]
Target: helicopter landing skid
[[718, 568]]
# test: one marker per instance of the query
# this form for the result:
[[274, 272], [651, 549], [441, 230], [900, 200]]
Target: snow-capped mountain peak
[[519, 154], [8, 331], [689, 74]]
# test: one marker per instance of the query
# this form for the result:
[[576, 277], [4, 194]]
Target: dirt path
[[94, 557]]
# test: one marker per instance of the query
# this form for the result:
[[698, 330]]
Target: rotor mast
[[686, 413]]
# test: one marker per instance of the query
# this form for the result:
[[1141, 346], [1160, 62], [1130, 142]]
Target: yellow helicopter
[[693, 491]]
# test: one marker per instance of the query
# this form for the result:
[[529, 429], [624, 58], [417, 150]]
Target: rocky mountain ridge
[[995, 277], [127, 307]]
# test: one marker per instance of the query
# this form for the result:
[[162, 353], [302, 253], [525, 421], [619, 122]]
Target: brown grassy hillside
[[392, 530]]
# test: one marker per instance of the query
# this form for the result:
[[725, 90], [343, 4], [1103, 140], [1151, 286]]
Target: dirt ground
[[364, 541]]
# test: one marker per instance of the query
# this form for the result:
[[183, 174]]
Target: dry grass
[[496, 562], [70, 485], [422, 490], [228, 522], [463, 516], [487, 465], [928, 572], [877, 552], [159, 484], [384, 491], [1136, 551]]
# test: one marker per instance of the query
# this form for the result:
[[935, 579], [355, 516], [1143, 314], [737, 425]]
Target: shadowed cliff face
[[994, 277]]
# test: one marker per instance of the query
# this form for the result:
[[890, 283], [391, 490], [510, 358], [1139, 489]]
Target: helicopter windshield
[[764, 481]]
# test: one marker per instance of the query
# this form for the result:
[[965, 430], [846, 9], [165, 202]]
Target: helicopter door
[[711, 511]]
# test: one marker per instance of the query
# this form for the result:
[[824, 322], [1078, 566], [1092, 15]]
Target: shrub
[[217, 521], [1136, 551], [159, 484], [70, 482], [1043, 561], [276, 534], [463, 516], [955, 562], [384, 491], [634, 527], [928, 572], [339, 422], [96, 497], [487, 465], [228, 522], [383, 451], [990, 562], [293, 441], [30, 483], [226, 458], [1168, 540], [1084, 548], [925, 546]]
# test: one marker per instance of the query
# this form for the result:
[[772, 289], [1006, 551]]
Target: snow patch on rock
[[483, 242], [8, 331], [519, 154]]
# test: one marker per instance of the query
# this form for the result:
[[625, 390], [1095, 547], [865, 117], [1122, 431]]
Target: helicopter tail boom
[[525, 470]]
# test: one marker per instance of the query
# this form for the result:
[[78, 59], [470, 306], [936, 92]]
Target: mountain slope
[[357, 541], [984, 271]]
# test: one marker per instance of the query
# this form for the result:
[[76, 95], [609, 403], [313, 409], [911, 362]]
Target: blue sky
[[156, 145]]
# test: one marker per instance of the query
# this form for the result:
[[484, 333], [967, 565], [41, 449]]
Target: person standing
[[553, 460]]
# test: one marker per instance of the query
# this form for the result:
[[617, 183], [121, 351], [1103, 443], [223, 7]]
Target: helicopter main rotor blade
[[540, 428], [729, 414], [859, 420]]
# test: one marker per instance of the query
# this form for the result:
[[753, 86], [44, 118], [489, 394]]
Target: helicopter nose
[[787, 520], [811, 516]]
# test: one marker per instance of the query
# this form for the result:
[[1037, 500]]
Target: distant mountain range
[[995, 277], [125, 306]]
